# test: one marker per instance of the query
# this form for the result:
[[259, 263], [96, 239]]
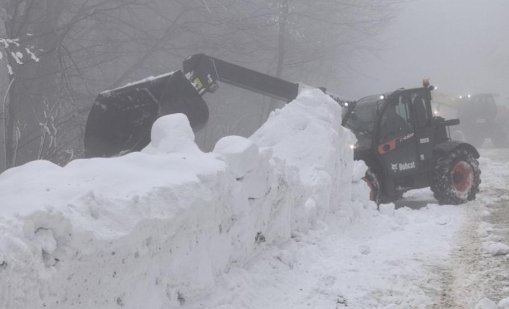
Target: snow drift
[[155, 229]]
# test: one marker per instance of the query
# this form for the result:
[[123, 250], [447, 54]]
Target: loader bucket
[[121, 120]]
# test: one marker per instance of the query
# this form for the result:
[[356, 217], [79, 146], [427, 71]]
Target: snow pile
[[496, 248], [313, 145], [486, 303], [504, 303], [155, 229]]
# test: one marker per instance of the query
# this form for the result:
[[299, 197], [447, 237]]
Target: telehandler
[[403, 144]]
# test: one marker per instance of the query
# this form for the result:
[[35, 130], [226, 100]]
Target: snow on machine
[[403, 144]]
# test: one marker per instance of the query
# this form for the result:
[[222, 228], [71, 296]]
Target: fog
[[58, 55], [461, 45]]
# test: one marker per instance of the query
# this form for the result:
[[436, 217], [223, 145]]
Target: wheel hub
[[462, 177]]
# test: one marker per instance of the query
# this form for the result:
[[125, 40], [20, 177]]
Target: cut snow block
[[172, 133], [504, 303], [388, 209], [239, 153], [359, 171], [496, 248], [486, 303]]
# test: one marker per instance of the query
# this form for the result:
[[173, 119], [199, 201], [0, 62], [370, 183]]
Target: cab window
[[396, 120], [421, 110]]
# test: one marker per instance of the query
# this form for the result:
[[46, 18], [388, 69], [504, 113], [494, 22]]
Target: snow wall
[[155, 229]]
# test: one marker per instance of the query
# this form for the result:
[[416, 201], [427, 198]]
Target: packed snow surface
[[278, 220]]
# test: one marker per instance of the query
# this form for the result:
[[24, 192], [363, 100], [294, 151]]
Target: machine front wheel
[[456, 177]]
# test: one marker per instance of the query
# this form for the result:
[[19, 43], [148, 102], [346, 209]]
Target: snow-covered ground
[[279, 220], [380, 260], [477, 274]]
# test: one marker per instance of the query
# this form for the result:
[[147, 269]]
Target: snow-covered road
[[479, 267]]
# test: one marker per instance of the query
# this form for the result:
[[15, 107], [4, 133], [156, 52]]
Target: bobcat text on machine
[[404, 146]]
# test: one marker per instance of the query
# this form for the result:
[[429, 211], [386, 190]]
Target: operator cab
[[380, 118]]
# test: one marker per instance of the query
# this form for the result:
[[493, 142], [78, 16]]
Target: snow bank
[[156, 228]]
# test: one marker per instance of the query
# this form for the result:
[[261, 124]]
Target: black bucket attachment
[[121, 120]]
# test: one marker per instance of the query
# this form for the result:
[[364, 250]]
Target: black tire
[[456, 177]]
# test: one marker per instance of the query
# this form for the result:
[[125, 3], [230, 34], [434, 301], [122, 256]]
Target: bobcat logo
[[406, 166], [400, 167]]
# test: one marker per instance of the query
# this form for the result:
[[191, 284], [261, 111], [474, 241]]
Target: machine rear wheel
[[456, 177]]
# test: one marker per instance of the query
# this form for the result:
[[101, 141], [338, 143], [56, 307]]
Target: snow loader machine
[[404, 146]]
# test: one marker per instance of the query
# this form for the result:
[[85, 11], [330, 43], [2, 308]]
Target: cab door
[[424, 131], [397, 141]]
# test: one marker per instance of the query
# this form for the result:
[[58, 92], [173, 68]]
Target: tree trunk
[[34, 91], [3, 125], [281, 49]]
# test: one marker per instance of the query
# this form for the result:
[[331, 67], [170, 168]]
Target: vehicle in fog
[[481, 117]]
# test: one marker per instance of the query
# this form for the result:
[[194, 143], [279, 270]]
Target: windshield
[[363, 116]]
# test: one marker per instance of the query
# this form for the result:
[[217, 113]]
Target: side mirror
[[451, 122]]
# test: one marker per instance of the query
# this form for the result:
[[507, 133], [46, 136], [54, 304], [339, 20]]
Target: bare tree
[[310, 42], [86, 46], [71, 37]]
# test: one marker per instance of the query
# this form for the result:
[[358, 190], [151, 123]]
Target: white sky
[[462, 45]]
